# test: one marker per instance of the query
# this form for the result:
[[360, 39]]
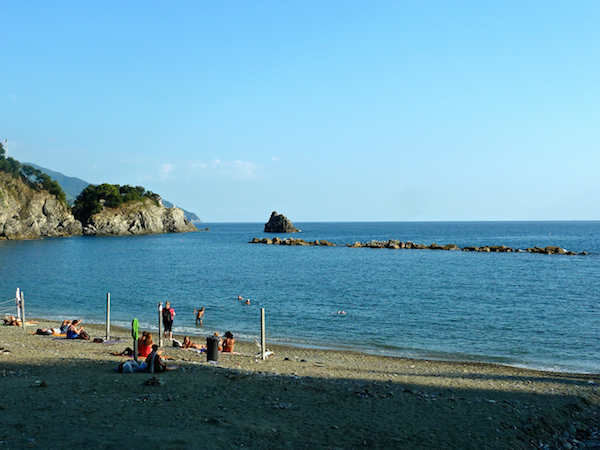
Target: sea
[[519, 309]]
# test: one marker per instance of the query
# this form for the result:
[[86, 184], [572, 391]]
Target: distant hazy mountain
[[188, 215], [73, 187]]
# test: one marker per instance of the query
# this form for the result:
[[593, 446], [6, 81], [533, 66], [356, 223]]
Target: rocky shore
[[26, 213], [59, 392], [396, 245]]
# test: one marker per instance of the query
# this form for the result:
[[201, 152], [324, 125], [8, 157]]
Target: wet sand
[[64, 393]]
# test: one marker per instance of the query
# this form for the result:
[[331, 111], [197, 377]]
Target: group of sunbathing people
[[72, 329], [153, 353]]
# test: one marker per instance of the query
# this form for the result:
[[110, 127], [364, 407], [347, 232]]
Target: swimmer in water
[[199, 315], [247, 301], [240, 298]]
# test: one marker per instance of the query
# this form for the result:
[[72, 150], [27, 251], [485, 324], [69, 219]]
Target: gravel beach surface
[[67, 393]]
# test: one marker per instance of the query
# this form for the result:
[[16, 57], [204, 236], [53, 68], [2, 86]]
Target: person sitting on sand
[[187, 343], [199, 315], [76, 333], [228, 342], [154, 361], [144, 346]]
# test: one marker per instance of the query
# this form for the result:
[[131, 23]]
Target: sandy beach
[[68, 394]]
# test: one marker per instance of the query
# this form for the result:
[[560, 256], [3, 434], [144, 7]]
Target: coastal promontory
[[142, 217], [33, 205], [27, 213]]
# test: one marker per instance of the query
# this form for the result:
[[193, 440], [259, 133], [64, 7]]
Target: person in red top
[[168, 315], [145, 344]]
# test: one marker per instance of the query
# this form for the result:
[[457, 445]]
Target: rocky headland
[[138, 218], [397, 245], [27, 213]]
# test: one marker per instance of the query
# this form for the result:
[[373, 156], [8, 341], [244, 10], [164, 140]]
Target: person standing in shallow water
[[168, 315], [199, 315]]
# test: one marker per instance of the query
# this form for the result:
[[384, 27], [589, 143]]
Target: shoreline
[[298, 397], [203, 332]]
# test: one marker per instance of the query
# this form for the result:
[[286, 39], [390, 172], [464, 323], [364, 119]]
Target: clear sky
[[320, 110]]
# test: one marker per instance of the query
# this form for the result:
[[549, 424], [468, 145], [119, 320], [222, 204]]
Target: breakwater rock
[[278, 223], [290, 241], [397, 245]]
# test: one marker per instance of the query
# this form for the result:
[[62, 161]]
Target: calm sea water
[[521, 309]]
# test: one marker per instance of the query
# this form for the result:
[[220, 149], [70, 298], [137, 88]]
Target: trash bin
[[212, 348]]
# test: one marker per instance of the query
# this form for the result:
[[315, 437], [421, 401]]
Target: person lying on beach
[[199, 315], [187, 343], [48, 331], [58, 331], [154, 362], [228, 342], [76, 333], [65, 326], [13, 321]]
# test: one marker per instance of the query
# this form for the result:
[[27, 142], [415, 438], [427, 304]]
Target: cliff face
[[29, 214], [138, 218]]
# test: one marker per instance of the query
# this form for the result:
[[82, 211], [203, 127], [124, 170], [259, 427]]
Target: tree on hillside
[[33, 177], [93, 198]]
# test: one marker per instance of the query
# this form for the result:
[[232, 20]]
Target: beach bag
[[177, 343], [83, 335]]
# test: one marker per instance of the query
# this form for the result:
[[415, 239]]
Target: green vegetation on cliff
[[93, 198], [36, 179]]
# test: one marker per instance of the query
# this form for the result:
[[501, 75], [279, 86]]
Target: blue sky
[[322, 111]]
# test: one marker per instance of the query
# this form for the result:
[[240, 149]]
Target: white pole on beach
[[23, 309], [160, 336], [18, 302], [107, 315], [263, 334]]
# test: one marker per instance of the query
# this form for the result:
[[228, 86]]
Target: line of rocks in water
[[396, 244]]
